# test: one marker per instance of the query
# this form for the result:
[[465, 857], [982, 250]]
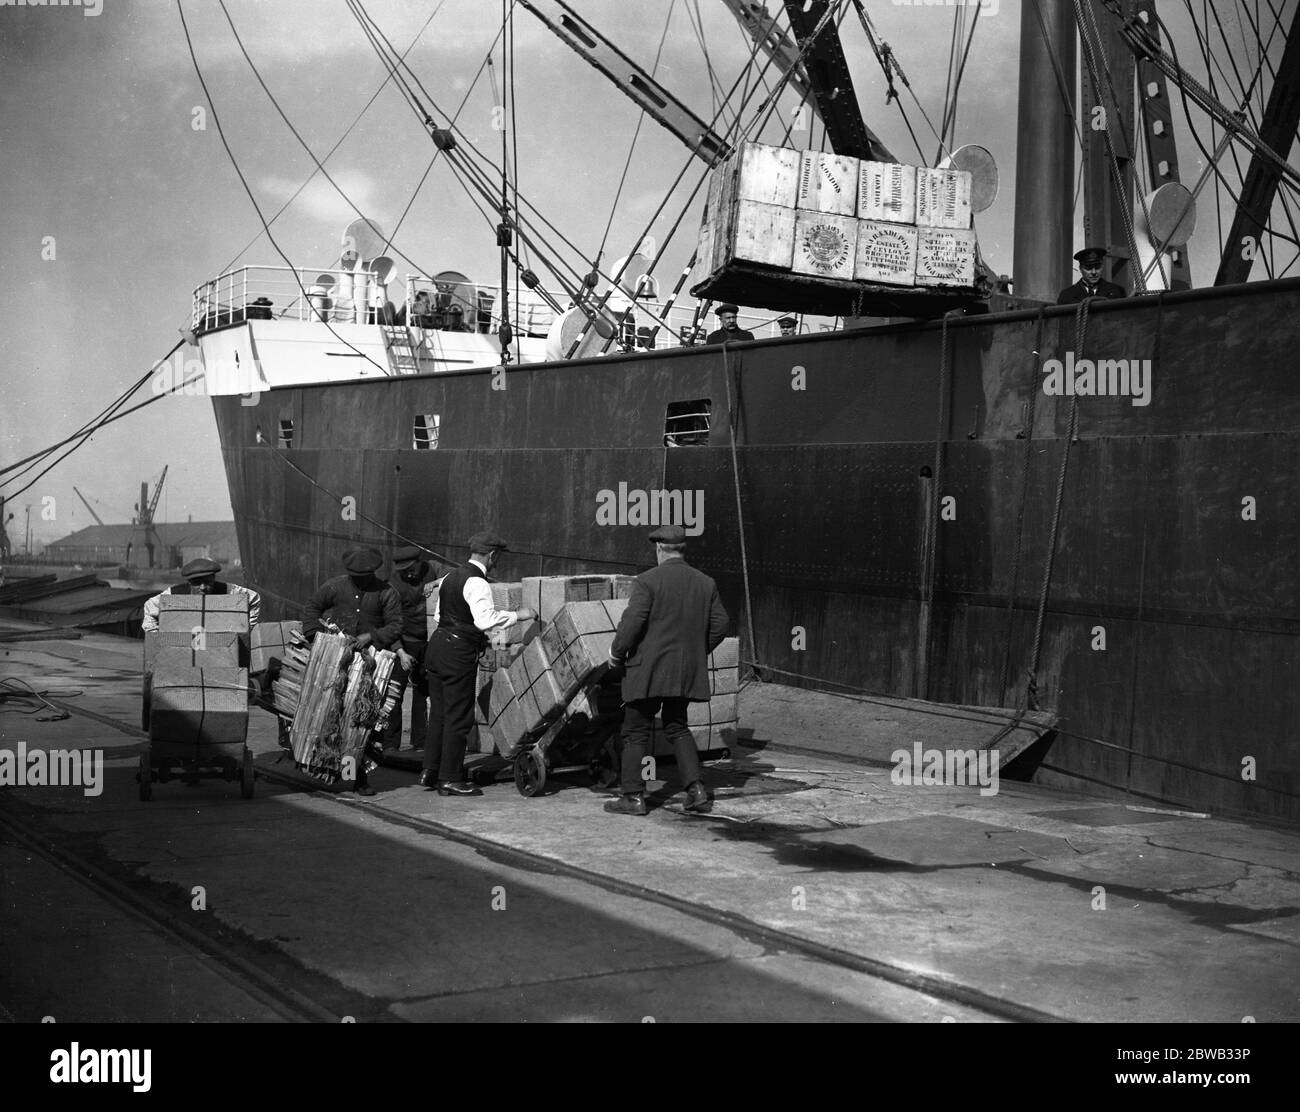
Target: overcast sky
[[101, 167]]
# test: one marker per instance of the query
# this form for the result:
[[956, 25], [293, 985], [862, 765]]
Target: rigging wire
[[635, 135], [1211, 161], [320, 166], [474, 172], [890, 65], [112, 416], [715, 86], [87, 429], [356, 120], [247, 189], [950, 121]]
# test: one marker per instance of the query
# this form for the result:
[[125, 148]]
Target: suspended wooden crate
[[828, 183], [825, 245], [943, 198], [821, 249], [750, 209], [886, 253], [945, 257], [887, 191]]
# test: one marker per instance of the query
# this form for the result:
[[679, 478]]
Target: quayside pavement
[[1024, 903]]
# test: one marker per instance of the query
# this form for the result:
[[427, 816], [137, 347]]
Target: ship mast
[[1044, 218]]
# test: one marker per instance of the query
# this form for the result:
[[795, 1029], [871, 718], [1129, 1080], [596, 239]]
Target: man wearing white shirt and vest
[[465, 615]]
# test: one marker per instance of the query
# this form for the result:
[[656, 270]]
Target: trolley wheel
[[530, 772], [145, 777], [246, 775]]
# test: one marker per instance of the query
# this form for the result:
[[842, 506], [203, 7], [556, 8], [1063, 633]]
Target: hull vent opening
[[687, 423], [286, 433], [425, 433]]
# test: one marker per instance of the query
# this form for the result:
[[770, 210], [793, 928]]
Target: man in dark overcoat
[[673, 620]]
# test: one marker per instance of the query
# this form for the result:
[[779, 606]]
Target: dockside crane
[[144, 536], [88, 506]]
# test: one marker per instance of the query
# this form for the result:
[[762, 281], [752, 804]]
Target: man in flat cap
[[673, 620], [1091, 284], [465, 615], [789, 326], [729, 331], [201, 579], [361, 605], [412, 580]]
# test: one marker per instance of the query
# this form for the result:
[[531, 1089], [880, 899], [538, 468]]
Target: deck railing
[[354, 297]]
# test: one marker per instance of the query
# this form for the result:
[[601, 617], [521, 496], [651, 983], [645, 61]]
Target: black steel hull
[[1169, 626]]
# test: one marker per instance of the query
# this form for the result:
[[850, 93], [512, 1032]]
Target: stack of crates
[[544, 674], [196, 675], [834, 217]]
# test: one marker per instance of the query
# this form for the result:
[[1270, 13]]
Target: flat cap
[[727, 307], [486, 541], [361, 560], [669, 534], [406, 555], [200, 567], [1092, 255]]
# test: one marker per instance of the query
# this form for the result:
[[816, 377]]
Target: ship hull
[[900, 510]]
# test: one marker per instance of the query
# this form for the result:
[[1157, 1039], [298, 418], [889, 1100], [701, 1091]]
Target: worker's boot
[[628, 805], [697, 799]]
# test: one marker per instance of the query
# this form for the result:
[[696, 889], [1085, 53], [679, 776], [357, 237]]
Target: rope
[[1031, 408], [740, 512], [1031, 689], [930, 562]]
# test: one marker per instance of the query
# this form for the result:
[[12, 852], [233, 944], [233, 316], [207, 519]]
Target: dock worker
[[789, 326], [365, 608], [729, 331], [673, 620], [1090, 283], [465, 615], [201, 579], [412, 580]]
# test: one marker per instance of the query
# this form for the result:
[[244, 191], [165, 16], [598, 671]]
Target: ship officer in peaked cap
[[729, 332], [412, 581], [362, 606], [201, 579], [789, 326], [1091, 283], [673, 620], [465, 615]]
